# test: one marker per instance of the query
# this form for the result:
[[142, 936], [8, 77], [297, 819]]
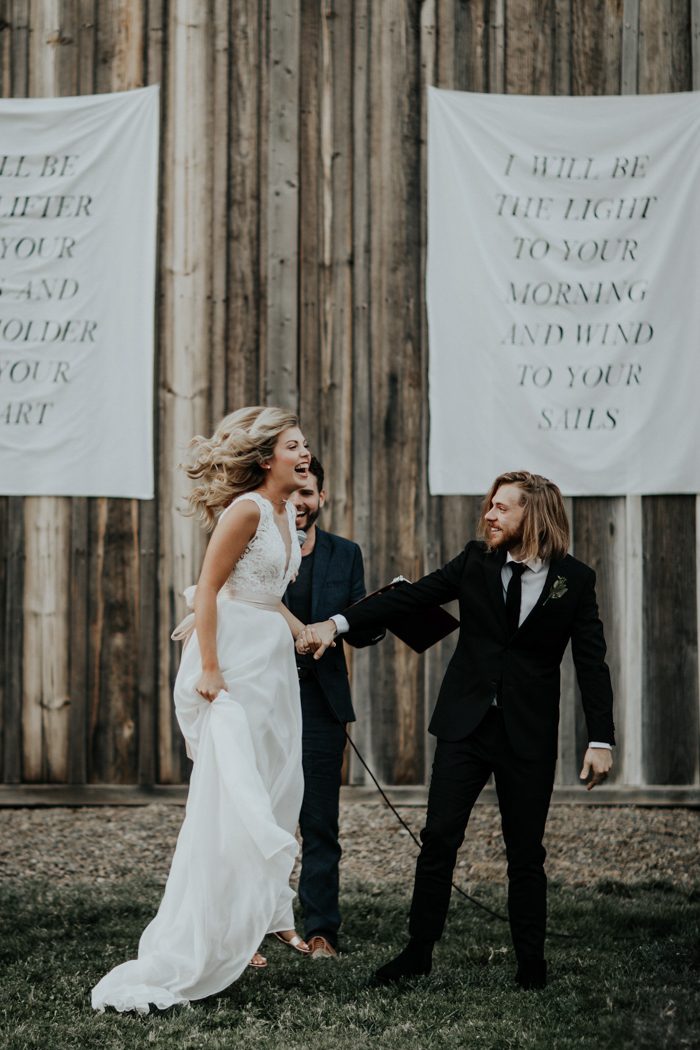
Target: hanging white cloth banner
[[78, 199], [564, 316]]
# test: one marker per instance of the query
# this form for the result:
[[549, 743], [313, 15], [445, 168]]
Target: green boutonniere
[[559, 589]]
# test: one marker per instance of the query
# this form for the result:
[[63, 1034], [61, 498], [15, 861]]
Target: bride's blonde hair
[[231, 460]]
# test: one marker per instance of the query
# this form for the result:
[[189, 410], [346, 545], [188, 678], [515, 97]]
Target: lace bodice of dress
[[261, 567]]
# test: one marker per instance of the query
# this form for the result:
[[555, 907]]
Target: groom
[[522, 598]]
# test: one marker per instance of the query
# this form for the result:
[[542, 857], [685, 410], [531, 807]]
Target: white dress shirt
[[533, 581]]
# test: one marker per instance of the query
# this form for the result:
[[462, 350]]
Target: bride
[[237, 703]]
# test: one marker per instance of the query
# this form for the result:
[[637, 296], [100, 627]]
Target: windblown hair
[[545, 524], [231, 460]]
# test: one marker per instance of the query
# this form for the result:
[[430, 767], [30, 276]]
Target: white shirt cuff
[[341, 623], [597, 743]]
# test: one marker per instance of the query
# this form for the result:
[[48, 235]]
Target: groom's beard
[[505, 539]]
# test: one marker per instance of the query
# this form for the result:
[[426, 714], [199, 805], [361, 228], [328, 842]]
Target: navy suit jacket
[[523, 668], [338, 580]]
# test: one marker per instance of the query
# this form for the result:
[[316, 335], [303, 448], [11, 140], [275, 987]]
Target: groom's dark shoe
[[416, 960], [531, 974]]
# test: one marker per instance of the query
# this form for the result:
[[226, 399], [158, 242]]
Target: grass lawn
[[628, 979]]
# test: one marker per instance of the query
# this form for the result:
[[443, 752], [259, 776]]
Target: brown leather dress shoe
[[321, 948]]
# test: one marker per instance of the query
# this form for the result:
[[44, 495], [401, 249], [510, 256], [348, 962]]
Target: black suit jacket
[[337, 580], [523, 669]]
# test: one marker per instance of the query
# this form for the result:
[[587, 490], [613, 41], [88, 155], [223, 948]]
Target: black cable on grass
[[402, 822]]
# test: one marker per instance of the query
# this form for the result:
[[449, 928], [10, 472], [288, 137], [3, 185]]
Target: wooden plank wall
[[291, 270]]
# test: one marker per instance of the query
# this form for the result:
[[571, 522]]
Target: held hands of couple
[[316, 638], [597, 763]]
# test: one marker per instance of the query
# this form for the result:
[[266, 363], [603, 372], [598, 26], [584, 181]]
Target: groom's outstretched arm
[[362, 636], [436, 588]]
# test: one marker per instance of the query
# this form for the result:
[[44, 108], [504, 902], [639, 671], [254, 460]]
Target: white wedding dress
[[229, 880]]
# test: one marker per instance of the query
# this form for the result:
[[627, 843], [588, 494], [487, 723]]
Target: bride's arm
[[230, 538], [295, 625]]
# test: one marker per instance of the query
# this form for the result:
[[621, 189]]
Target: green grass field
[[628, 979]]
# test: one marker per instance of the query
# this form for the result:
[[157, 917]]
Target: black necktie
[[513, 595]]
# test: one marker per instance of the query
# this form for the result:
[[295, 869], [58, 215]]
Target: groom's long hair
[[545, 524]]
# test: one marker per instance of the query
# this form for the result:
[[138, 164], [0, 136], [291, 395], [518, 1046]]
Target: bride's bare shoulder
[[242, 513]]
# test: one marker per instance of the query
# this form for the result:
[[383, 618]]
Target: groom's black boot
[[531, 974], [416, 960]]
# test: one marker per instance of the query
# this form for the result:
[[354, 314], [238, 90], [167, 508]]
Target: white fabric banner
[[562, 291], [78, 189]]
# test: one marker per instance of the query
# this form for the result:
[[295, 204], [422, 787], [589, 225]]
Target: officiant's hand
[[316, 638], [597, 763]]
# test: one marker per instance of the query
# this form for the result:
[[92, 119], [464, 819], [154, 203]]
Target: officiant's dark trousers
[[524, 787]]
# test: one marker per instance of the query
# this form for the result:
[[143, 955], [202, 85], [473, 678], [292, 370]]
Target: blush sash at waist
[[184, 629], [264, 601]]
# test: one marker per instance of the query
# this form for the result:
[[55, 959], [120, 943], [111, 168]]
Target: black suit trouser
[[323, 744], [524, 787]]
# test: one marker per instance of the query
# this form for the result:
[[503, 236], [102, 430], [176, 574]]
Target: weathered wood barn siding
[[291, 269]]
